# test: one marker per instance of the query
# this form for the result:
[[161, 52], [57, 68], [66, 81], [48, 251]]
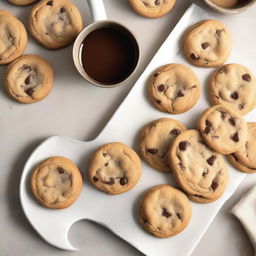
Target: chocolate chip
[[211, 160], [183, 145], [223, 114], [152, 151], [158, 101], [60, 169], [180, 94], [178, 215], [157, 2], [208, 126], [62, 9], [240, 106], [26, 67], [205, 45], [175, 132], [123, 181], [246, 77], [194, 57], [235, 137], [219, 32], [29, 91], [214, 185], [27, 80], [204, 173], [161, 88], [95, 179], [156, 74], [106, 164], [232, 121], [165, 213], [234, 95], [49, 3], [110, 182], [105, 154]]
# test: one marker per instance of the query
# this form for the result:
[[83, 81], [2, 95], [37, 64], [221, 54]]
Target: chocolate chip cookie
[[22, 2], [155, 139], [223, 129], [164, 211], [152, 8], [29, 79], [245, 158], [56, 182], [207, 43], [55, 23], [199, 171], [115, 168], [235, 85], [174, 88], [13, 37]]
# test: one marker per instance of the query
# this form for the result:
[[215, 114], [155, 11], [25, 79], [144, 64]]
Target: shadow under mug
[[100, 21]]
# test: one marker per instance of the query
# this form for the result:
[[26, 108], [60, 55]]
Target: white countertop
[[80, 113]]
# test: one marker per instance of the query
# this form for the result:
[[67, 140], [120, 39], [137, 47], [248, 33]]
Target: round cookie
[[155, 139], [207, 44], [56, 182], [152, 8], [174, 88], [245, 158], [13, 37], [55, 23], [22, 2], [223, 129], [164, 211], [199, 171], [29, 79], [235, 85], [115, 168]]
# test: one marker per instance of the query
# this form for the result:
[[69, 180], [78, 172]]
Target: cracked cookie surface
[[152, 8], [29, 79], [199, 171], [115, 168], [174, 88], [235, 85], [56, 182], [155, 139], [207, 44], [55, 23], [223, 129], [245, 158], [13, 37], [164, 211], [22, 2]]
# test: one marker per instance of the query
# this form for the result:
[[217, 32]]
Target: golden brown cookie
[[115, 168], [13, 37], [29, 79], [164, 211], [56, 182], [55, 23], [22, 2]]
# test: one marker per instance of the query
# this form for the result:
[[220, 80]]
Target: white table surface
[[80, 113]]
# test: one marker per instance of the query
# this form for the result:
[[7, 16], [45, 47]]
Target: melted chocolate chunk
[[223, 115], [183, 145], [219, 32], [156, 74], [110, 182], [62, 9], [26, 67], [161, 88], [165, 213], [234, 95], [157, 2], [49, 3], [123, 181], [235, 137], [178, 215], [204, 173], [158, 101], [214, 185], [175, 132], [211, 160], [152, 151], [240, 106], [106, 164], [27, 80], [246, 77], [232, 121], [208, 126], [105, 154], [95, 179], [205, 45], [180, 94], [60, 169], [194, 57], [29, 91]]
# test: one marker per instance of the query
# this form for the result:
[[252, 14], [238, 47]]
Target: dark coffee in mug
[[109, 55]]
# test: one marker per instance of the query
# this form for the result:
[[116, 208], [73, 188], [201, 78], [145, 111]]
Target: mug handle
[[97, 10]]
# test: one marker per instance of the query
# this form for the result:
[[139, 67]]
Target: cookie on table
[[207, 44], [115, 168], [13, 37], [164, 211], [29, 79], [152, 8], [155, 139], [223, 129], [235, 85], [22, 2], [245, 158], [174, 88], [199, 171], [56, 182], [55, 23]]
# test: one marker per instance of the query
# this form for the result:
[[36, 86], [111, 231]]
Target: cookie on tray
[[29, 79], [115, 168], [155, 139], [207, 44], [200, 171], [223, 129], [245, 158], [152, 8], [13, 37], [55, 23], [56, 182], [164, 211], [22, 2], [235, 85], [174, 88]]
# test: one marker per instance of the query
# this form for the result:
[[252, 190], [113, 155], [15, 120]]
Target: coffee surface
[[230, 3], [109, 55]]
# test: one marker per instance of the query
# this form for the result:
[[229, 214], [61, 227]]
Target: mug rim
[[76, 46]]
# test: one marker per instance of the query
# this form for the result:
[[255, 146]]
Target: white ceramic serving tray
[[119, 213]]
